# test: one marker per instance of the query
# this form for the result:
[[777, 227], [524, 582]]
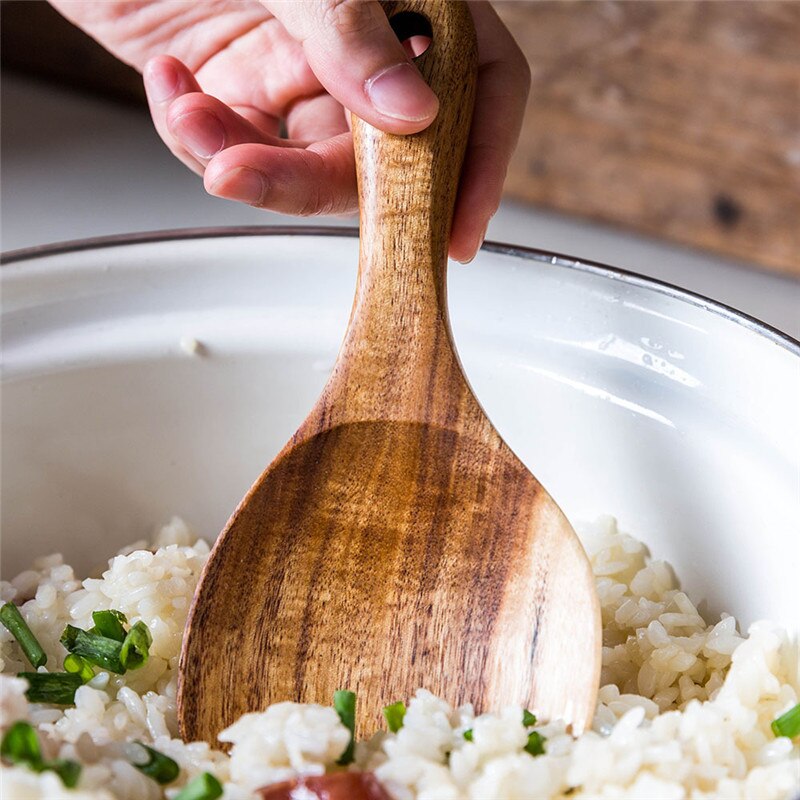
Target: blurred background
[[662, 137]]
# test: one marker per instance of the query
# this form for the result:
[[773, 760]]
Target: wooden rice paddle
[[396, 542]]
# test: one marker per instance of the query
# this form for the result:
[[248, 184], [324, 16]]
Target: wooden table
[[679, 119]]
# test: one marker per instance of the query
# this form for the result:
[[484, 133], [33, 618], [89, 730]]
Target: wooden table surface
[[679, 119]]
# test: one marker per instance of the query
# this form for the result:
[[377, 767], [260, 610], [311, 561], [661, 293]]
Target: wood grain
[[679, 119], [396, 542]]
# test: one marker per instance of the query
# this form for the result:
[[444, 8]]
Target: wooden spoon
[[396, 542]]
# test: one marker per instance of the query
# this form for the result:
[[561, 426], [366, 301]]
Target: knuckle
[[521, 68], [349, 17], [314, 201], [311, 206], [320, 202]]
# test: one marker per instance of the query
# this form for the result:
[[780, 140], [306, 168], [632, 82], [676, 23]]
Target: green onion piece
[[109, 624], [51, 687], [788, 724], [468, 734], [136, 647], [20, 744], [94, 648], [345, 704], [535, 745], [528, 719], [16, 625], [79, 666], [68, 771], [394, 715], [162, 769], [203, 787]]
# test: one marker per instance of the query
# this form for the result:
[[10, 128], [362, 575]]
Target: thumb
[[356, 56]]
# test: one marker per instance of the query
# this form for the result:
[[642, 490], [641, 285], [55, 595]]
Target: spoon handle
[[407, 184], [399, 335]]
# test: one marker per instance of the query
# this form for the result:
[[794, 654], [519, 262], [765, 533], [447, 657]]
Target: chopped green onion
[[107, 645], [394, 715], [68, 771], [16, 625], [345, 704], [51, 687], [109, 624], [535, 745], [94, 648], [20, 745], [162, 769], [788, 724], [528, 719], [203, 787], [79, 666], [468, 734], [136, 647]]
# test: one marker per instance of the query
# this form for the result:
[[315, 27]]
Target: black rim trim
[[529, 253]]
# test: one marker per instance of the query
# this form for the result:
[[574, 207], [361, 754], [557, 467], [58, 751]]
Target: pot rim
[[527, 253]]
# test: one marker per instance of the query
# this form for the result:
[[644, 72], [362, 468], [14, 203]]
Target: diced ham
[[336, 786]]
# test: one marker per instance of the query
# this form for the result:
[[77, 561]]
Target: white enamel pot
[[625, 396]]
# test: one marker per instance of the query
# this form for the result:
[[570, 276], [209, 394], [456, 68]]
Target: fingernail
[[243, 184], [400, 92], [199, 131], [478, 247], [482, 238], [161, 82]]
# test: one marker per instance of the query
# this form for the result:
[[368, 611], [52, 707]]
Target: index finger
[[359, 60]]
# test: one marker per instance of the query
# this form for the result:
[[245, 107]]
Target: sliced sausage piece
[[336, 786]]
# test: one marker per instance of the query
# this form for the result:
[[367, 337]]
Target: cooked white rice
[[684, 711]]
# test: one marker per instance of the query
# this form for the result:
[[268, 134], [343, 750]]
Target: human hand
[[264, 65]]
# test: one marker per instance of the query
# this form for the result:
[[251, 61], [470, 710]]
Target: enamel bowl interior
[[623, 396]]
